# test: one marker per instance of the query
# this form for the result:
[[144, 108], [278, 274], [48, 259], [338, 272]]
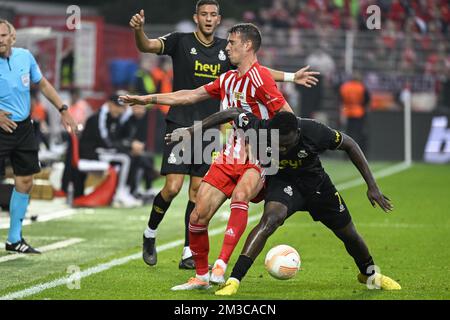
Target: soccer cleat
[[123, 199], [217, 274], [187, 264], [379, 281], [229, 288], [20, 246], [192, 284], [149, 251]]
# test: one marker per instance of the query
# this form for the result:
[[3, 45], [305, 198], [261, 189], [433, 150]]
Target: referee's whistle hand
[[6, 123], [69, 123]]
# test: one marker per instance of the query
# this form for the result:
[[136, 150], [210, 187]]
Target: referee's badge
[[288, 191], [26, 79], [222, 55]]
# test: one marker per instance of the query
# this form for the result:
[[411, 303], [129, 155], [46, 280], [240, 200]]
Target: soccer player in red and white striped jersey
[[232, 175]]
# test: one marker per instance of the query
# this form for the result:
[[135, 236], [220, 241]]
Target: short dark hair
[[248, 31], [205, 2], [286, 122]]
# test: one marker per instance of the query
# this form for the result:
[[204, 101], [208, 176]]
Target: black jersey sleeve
[[324, 137], [169, 43]]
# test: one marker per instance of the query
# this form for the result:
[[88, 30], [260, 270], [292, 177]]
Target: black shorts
[[171, 160], [21, 147], [324, 204]]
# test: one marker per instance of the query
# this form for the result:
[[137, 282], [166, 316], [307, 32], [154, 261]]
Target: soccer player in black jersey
[[198, 58], [301, 184]]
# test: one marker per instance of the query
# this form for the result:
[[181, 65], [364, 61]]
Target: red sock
[[235, 228], [199, 245]]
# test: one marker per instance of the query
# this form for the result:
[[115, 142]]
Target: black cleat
[[187, 264], [149, 251], [21, 247]]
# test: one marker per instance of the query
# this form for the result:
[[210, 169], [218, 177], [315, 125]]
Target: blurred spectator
[[39, 117], [102, 139], [134, 134], [408, 58], [279, 16], [355, 101], [79, 109], [163, 76], [321, 61], [144, 83], [445, 90]]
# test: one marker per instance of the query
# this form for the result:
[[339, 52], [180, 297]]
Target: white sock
[[149, 233], [186, 253], [221, 263], [204, 277]]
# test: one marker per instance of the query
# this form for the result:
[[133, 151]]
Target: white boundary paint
[[50, 247]]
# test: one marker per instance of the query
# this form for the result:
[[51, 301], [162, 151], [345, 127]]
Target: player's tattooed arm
[[207, 123], [359, 160]]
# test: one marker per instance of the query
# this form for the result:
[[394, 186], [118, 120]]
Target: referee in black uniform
[[198, 58]]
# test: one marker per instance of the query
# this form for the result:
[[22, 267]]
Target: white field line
[[50, 247], [47, 217], [116, 262]]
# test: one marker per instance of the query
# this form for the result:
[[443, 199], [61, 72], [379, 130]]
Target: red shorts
[[225, 177]]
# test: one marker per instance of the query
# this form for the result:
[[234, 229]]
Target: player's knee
[[24, 184], [271, 222], [193, 193], [240, 195], [348, 233], [171, 189], [200, 213]]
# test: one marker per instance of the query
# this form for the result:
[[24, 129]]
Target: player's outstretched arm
[[303, 77], [359, 160], [50, 93], [178, 98], [143, 43], [211, 121]]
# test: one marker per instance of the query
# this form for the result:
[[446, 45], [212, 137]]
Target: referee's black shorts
[[324, 204], [171, 161], [21, 147]]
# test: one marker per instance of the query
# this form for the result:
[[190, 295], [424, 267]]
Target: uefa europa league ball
[[282, 262]]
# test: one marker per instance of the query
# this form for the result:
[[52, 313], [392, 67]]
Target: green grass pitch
[[410, 245]]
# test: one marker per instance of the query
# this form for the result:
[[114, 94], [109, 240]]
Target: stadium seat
[[103, 194]]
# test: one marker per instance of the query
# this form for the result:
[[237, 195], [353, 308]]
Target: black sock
[[364, 266], [159, 208], [241, 267], [187, 215]]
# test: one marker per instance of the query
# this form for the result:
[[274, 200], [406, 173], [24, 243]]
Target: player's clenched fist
[[137, 21]]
